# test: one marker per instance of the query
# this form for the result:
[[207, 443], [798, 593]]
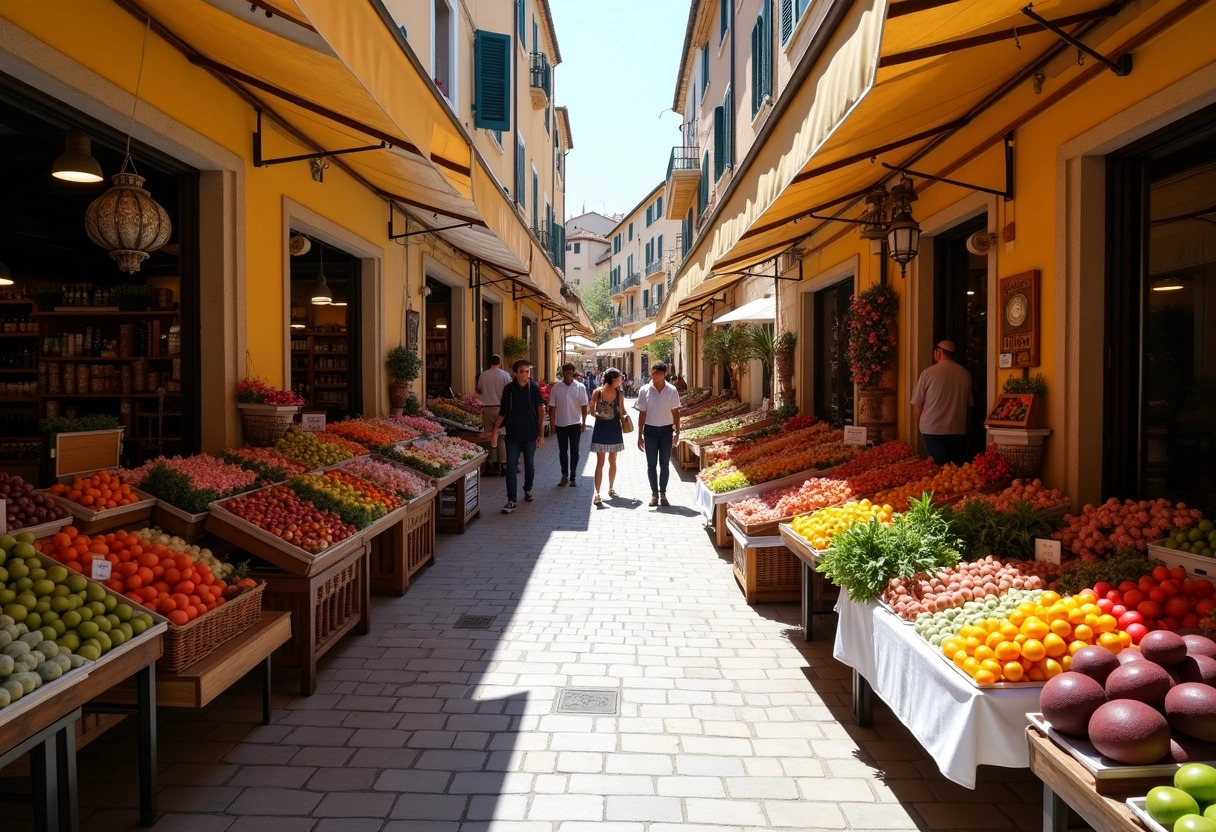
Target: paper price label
[[1047, 551], [100, 569], [854, 435], [1006, 360], [314, 422]]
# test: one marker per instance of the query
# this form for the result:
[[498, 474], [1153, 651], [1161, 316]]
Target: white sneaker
[[509, 507]]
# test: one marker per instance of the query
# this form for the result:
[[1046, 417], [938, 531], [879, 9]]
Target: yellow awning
[[702, 294], [891, 81], [337, 76]]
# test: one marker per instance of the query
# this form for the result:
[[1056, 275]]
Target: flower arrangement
[[890, 476], [795, 423], [348, 445], [880, 455], [405, 483], [453, 413], [871, 324], [420, 460], [396, 431], [259, 391], [191, 483], [471, 402], [464, 449], [451, 456], [781, 444], [722, 410], [725, 425], [267, 463], [362, 432], [815, 458], [424, 426]]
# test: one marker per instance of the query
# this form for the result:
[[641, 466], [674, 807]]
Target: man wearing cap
[[940, 402]]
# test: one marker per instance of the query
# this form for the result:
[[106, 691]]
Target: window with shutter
[[645, 298], [535, 196], [719, 142], [686, 234], [658, 249], [703, 196], [757, 64], [520, 19], [766, 52], [631, 232], [704, 69], [658, 212], [787, 20], [520, 158], [728, 130], [492, 80], [723, 18]]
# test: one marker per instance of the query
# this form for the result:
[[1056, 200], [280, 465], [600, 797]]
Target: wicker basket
[[188, 643], [1024, 460], [338, 601], [262, 430], [767, 574]]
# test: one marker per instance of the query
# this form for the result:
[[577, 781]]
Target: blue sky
[[618, 76]]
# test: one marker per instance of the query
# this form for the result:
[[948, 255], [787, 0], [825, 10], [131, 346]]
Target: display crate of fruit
[[44, 529], [178, 521], [91, 521], [24, 508], [764, 568], [275, 549], [1109, 776], [399, 552], [29, 701], [1195, 564], [188, 643]]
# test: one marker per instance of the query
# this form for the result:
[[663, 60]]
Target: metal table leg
[[145, 682], [808, 603], [863, 701], [69, 804], [266, 675], [1055, 811], [45, 782]]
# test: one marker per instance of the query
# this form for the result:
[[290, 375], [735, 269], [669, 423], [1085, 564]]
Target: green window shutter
[[757, 65], [719, 142], [658, 253], [723, 18], [703, 196], [787, 20], [705, 68], [658, 212], [519, 171], [766, 76], [535, 200], [492, 80], [728, 130], [645, 299], [520, 20]]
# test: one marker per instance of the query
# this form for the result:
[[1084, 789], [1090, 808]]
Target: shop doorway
[[326, 365], [128, 342], [1161, 289], [487, 334], [438, 339], [960, 314], [833, 381]]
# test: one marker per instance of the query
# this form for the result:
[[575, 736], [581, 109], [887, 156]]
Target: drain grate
[[588, 701], [474, 622]]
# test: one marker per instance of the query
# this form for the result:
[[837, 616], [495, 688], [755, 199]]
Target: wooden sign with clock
[[1018, 336]]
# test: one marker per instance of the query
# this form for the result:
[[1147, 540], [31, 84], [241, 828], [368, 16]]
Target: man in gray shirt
[[940, 402], [490, 385]]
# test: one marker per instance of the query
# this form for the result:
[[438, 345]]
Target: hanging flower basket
[[871, 323]]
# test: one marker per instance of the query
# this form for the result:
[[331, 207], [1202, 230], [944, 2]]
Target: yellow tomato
[[1061, 627], [1013, 671], [1054, 645], [1084, 634], [1111, 642], [1033, 649], [1007, 651]]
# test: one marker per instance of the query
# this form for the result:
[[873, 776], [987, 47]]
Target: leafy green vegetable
[[986, 531], [61, 424], [1124, 565], [864, 557], [175, 488]]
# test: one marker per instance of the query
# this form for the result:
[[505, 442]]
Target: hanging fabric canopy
[[760, 310]]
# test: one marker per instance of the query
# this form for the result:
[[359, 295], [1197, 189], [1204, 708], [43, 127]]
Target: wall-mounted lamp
[[903, 232], [6, 276], [76, 162], [875, 228], [441, 323], [1169, 284], [298, 326]]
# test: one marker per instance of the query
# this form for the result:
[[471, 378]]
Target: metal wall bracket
[[259, 162], [1121, 66], [1007, 193]]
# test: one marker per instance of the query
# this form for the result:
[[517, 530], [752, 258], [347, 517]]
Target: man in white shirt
[[490, 385], [658, 429], [568, 415]]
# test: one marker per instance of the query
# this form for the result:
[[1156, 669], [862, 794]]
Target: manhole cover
[[584, 701], [474, 622]]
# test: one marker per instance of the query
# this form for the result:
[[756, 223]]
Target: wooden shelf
[[90, 359], [21, 399], [16, 302], [104, 311], [18, 334], [174, 395], [18, 370]]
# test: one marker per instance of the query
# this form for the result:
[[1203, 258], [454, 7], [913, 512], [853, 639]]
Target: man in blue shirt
[[523, 413]]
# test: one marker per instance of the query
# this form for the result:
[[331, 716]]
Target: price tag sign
[[100, 569], [314, 422], [1006, 360], [1047, 551], [854, 435]]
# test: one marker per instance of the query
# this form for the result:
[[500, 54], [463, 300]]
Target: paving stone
[[263, 824], [355, 805], [342, 779], [430, 807], [275, 802], [557, 807], [734, 812], [645, 809]]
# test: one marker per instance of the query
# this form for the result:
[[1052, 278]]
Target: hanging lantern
[[127, 221]]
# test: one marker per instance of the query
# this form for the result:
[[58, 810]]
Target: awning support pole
[[1121, 66], [259, 162], [1007, 193]]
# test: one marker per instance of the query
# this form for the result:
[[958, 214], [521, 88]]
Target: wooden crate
[[188, 527], [396, 554], [324, 607], [458, 498], [766, 570]]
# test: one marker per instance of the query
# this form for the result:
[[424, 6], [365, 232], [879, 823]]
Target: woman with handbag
[[607, 438]]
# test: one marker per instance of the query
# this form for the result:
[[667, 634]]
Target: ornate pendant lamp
[[126, 220], [903, 232]]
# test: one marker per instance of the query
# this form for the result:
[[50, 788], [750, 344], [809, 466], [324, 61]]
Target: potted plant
[[514, 348], [731, 347], [404, 367], [783, 347], [266, 411], [1014, 424], [47, 296], [134, 297]]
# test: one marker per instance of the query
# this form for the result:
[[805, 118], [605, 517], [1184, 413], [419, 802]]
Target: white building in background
[[592, 221], [585, 250]]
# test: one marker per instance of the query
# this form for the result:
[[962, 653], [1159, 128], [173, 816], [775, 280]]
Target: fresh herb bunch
[[1036, 385], [61, 424], [267, 472], [1123, 565], [986, 531], [864, 557]]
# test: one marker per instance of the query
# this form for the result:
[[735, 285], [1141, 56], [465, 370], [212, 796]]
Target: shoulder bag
[[626, 419]]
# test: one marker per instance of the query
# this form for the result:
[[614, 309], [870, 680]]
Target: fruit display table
[[818, 593], [52, 752], [1066, 784], [406, 546], [713, 506], [458, 497], [324, 605], [960, 725]]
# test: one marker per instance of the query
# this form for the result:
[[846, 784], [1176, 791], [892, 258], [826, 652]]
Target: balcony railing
[[542, 81], [542, 237], [684, 158], [654, 266], [652, 310], [632, 280]]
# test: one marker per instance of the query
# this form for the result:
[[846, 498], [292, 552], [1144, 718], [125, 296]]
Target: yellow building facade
[[1103, 203], [436, 204]]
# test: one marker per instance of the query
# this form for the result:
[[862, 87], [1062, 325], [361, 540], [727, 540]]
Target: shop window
[[443, 49], [1160, 412], [325, 354], [833, 382], [438, 328]]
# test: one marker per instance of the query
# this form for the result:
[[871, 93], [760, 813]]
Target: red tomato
[[1105, 604], [1177, 607], [1101, 588], [1137, 632], [1149, 609]]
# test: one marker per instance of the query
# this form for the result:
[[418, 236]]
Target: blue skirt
[[606, 436]]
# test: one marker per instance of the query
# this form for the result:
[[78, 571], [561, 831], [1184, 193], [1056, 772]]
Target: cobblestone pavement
[[727, 720]]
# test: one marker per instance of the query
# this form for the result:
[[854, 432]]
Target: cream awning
[[621, 343], [337, 75], [894, 78], [645, 335], [760, 309], [580, 342]]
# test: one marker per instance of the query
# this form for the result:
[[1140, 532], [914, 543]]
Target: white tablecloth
[[960, 725], [704, 501]]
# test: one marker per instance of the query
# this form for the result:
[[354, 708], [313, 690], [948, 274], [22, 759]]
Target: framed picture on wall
[[1014, 410], [1019, 320], [413, 322]]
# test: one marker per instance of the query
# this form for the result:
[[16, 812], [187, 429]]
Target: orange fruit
[[1106, 624], [1083, 633], [1013, 671], [1061, 627], [1111, 642], [1052, 668], [1035, 628], [985, 677], [1007, 651], [1034, 650], [1054, 645], [983, 652]]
